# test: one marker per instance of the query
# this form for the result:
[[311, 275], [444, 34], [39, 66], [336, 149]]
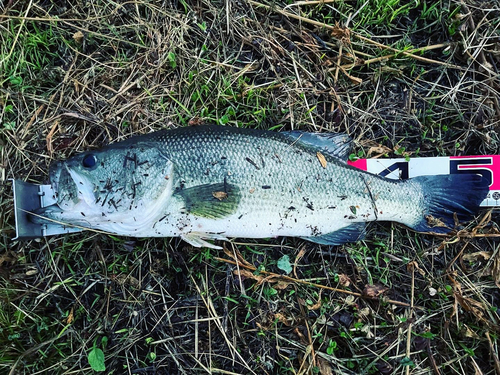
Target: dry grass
[[410, 77]]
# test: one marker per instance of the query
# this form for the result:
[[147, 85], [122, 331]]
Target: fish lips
[[46, 215], [55, 175]]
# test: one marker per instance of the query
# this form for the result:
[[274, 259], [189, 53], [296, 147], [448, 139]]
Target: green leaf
[[407, 362], [11, 125], [270, 292], [203, 26], [332, 346], [224, 120], [284, 264], [15, 81], [104, 342], [353, 157], [171, 59], [96, 360], [427, 335]]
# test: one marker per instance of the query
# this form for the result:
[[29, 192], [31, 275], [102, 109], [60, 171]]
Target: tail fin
[[447, 197]]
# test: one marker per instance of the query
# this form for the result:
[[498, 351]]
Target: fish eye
[[89, 161]]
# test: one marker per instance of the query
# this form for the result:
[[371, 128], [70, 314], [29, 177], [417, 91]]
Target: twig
[[408, 339], [338, 66], [17, 35], [448, 269], [67, 21], [212, 311], [309, 351], [33, 350], [359, 36], [408, 54], [431, 358], [311, 2], [65, 224], [493, 353], [386, 57], [298, 281]]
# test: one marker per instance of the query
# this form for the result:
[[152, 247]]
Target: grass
[[407, 77]]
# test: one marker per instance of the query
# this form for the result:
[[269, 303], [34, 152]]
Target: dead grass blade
[[298, 281], [359, 36]]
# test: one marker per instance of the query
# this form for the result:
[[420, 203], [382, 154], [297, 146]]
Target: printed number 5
[[472, 166]]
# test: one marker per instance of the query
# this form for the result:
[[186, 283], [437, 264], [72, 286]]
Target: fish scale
[[215, 182]]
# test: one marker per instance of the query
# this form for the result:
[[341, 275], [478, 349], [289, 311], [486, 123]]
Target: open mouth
[[59, 177], [71, 191], [55, 176]]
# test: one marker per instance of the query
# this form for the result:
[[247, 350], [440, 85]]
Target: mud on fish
[[215, 182]]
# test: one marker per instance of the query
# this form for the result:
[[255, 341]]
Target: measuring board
[[29, 197], [488, 166]]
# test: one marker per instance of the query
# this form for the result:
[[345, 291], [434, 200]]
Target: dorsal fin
[[337, 145]]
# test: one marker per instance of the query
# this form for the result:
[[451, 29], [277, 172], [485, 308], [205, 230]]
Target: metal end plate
[[29, 197]]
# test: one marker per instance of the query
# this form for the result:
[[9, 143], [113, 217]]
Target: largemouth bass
[[215, 182]]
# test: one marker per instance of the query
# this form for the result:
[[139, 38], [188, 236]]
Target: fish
[[211, 182]]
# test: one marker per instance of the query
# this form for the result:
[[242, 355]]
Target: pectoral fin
[[211, 201], [197, 239], [351, 233]]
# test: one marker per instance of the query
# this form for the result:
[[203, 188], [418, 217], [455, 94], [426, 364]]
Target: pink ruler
[[488, 166]]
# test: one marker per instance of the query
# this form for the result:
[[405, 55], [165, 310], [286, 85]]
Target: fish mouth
[[63, 186], [71, 192]]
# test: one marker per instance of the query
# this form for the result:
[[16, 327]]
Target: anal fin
[[351, 233]]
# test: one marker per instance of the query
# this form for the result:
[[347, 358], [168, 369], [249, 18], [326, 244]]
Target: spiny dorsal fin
[[337, 145]]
